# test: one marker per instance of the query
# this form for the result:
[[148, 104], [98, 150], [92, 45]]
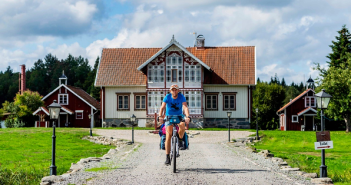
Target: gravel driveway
[[210, 160]]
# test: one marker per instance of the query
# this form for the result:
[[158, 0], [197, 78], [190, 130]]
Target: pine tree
[[283, 82], [340, 48]]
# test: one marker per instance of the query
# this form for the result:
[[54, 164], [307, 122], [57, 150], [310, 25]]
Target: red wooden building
[[76, 104], [299, 113]]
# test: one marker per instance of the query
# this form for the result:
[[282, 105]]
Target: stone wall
[[196, 123]]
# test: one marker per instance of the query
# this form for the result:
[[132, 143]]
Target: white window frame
[[154, 101], [155, 73], [308, 101], [192, 73], [58, 97], [193, 100], [79, 111], [294, 117]]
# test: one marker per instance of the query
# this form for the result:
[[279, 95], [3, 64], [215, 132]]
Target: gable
[[77, 92], [303, 94], [173, 45]]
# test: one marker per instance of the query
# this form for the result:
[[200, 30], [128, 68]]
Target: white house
[[214, 80]]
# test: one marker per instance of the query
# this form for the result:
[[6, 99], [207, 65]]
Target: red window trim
[[229, 94], [123, 94], [211, 94], [139, 94]]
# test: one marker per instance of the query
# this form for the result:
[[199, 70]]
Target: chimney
[[200, 42], [23, 79]]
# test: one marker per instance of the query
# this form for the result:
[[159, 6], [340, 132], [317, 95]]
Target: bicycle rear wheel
[[174, 155]]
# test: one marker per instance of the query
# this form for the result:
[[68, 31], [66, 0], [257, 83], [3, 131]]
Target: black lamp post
[[323, 99], [229, 114], [91, 131], [132, 119], [257, 137], [54, 110]]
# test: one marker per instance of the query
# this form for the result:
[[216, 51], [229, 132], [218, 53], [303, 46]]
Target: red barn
[[299, 113], [76, 104]]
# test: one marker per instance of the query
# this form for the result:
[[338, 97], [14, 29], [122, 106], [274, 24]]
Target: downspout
[[102, 108], [249, 104]]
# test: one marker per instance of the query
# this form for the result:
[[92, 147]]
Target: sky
[[290, 36]]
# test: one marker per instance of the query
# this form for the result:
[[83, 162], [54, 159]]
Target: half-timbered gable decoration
[[299, 113], [76, 106], [213, 80]]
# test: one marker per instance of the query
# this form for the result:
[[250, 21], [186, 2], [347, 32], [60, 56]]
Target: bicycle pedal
[[178, 155]]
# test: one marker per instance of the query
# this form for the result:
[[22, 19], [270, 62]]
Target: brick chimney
[[23, 79]]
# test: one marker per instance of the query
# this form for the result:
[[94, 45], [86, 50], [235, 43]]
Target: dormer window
[[63, 99], [310, 101]]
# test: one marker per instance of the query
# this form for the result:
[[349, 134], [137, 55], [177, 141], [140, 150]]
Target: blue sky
[[290, 36]]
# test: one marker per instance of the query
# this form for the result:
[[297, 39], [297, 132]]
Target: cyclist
[[174, 103]]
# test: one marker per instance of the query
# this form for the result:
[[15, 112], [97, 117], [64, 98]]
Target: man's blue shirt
[[174, 106]]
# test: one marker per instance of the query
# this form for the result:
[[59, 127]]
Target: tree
[[268, 99], [337, 82], [22, 108], [89, 82], [283, 83], [340, 48]]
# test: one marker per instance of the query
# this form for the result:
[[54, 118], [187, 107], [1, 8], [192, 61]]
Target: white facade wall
[[111, 102], [241, 101]]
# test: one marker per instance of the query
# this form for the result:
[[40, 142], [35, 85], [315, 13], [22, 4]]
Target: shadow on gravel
[[203, 170]]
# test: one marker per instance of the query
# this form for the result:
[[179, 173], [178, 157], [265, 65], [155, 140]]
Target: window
[[140, 101], [229, 101], [63, 99], [211, 101], [192, 73], [310, 101], [193, 99], [123, 101], [155, 73], [295, 119], [79, 114], [154, 101], [174, 72]]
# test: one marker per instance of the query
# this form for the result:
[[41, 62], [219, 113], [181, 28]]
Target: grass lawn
[[26, 152], [297, 148]]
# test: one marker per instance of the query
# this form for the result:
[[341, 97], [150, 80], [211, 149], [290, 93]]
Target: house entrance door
[[63, 120], [309, 123]]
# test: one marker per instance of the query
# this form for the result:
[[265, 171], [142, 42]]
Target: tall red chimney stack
[[23, 78]]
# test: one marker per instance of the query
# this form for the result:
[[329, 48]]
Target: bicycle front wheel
[[174, 155]]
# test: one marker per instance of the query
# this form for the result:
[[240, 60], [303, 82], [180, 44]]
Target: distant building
[[214, 80], [76, 104], [299, 113]]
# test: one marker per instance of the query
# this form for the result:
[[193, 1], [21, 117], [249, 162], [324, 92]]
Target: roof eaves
[[296, 98]]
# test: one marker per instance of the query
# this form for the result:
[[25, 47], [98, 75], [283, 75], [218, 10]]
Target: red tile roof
[[229, 65], [296, 98]]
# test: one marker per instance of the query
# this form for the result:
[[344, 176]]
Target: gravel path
[[210, 160]]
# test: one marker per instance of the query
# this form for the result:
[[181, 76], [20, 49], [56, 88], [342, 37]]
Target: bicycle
[[174, 120]]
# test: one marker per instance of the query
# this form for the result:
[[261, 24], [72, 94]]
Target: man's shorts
[[168, 123]]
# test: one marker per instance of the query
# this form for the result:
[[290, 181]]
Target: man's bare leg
[[169, 132], [181, 131]]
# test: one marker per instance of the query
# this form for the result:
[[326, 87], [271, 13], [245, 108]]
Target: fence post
[[155, 121]]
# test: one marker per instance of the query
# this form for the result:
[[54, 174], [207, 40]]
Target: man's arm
[[162, 110], [186, 112]]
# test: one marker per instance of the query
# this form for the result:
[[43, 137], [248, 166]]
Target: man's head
[[174, 89]]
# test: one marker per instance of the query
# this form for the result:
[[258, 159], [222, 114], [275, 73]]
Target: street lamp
[[54, 110], [323, 99], [132, 119], [91, 132], [257, 137], [229, 114]]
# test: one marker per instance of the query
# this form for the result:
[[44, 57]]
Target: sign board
[[323, 136], [323, 145]]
